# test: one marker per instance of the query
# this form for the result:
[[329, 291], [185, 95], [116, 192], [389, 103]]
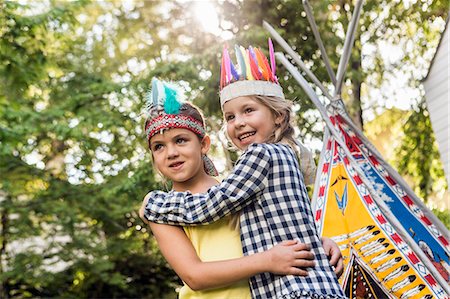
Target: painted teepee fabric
[[379, 259], [393, 246]]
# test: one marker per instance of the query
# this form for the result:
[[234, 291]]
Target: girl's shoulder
[[269, 149], [255, 146]]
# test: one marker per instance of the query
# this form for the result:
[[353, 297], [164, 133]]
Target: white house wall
[[437, 97]]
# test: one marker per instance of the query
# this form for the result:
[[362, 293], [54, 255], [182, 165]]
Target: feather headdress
[[164, 103], [164, 97], [255, 77]]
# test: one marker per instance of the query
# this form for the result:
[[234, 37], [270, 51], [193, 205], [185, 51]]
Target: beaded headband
[[256, 76], [164, 103]]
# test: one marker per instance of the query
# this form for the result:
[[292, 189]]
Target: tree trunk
[[3, 236]]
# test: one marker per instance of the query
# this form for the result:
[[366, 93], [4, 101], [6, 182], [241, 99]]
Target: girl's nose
[[172, 152], [239, 121]]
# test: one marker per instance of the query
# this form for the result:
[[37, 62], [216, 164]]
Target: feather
[[267, 66], [254, 67], [254, 64], [154, 94], [240, 60], [222, 72], [234, 71], [161, 95], [171, 104], [227, 65], [264, 70], [247, 64], [272, 60]]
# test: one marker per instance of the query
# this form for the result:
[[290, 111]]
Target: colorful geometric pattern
[[378, 260]]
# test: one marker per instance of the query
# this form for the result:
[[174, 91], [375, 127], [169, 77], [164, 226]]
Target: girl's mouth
[[176, 165], [246, 135]]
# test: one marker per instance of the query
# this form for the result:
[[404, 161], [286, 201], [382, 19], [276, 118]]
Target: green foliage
[[418, 155], [73, 158], [444, 216]]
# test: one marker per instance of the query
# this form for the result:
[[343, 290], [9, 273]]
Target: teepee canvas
[[393, 246]]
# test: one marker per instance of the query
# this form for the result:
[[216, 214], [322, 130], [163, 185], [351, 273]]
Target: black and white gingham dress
[[267, 186]]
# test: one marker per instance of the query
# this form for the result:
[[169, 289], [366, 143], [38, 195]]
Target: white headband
[[248, 88]]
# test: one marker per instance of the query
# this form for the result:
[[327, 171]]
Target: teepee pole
[[348, 44], [312, 23], [296, 58], [383, 206]]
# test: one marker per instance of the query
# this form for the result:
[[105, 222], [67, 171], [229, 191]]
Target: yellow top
[[214, 242]]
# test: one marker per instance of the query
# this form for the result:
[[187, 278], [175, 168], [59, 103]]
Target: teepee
[[393, 246]]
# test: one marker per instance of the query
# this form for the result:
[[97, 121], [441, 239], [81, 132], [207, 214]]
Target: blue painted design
[[342, 201], [411, 224]]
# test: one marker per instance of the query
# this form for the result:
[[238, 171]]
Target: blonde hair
[[284, 133]]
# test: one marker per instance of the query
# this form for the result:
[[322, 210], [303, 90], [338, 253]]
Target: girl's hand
[[142, 209], [290, 258], [334, 255]]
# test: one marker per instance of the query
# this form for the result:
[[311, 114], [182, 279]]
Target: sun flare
[[206, 14]]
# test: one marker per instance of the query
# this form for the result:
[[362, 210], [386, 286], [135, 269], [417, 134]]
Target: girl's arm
[[286, 258], [239, 189]]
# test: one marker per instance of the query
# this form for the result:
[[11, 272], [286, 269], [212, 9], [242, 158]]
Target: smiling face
[[248, 121], [177, 153]]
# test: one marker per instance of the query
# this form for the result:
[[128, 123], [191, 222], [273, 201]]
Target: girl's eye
[[181, 140], [229, 117], [248, 110], [157, 147]]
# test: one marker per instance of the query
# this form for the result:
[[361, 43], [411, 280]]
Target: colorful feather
[[247, 63], [272, 59], [223, 75], [254, 64], [240, 60], [227, 65], [234, 71], [264, 70], [154, 94], [171, 104], [154, 97]]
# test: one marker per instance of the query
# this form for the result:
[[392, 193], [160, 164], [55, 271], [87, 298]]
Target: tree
[[72, 152]]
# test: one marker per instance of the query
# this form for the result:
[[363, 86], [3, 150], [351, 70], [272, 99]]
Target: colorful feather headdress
[[256, 77], [164, 106]]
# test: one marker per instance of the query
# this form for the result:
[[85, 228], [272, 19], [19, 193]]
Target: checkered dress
[[267, 186]]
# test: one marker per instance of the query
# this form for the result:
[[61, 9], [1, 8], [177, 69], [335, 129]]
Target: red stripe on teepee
[[426, 220], [381, 219], [318, 214], [357, 180], [443, 240], [346, 161], [368, 199], [356, 139], [407, 200], [321, 191], [325, 168], [333, 120], [374, 160], [390, 180], [430, 279], [396, 238], [413, 257]]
